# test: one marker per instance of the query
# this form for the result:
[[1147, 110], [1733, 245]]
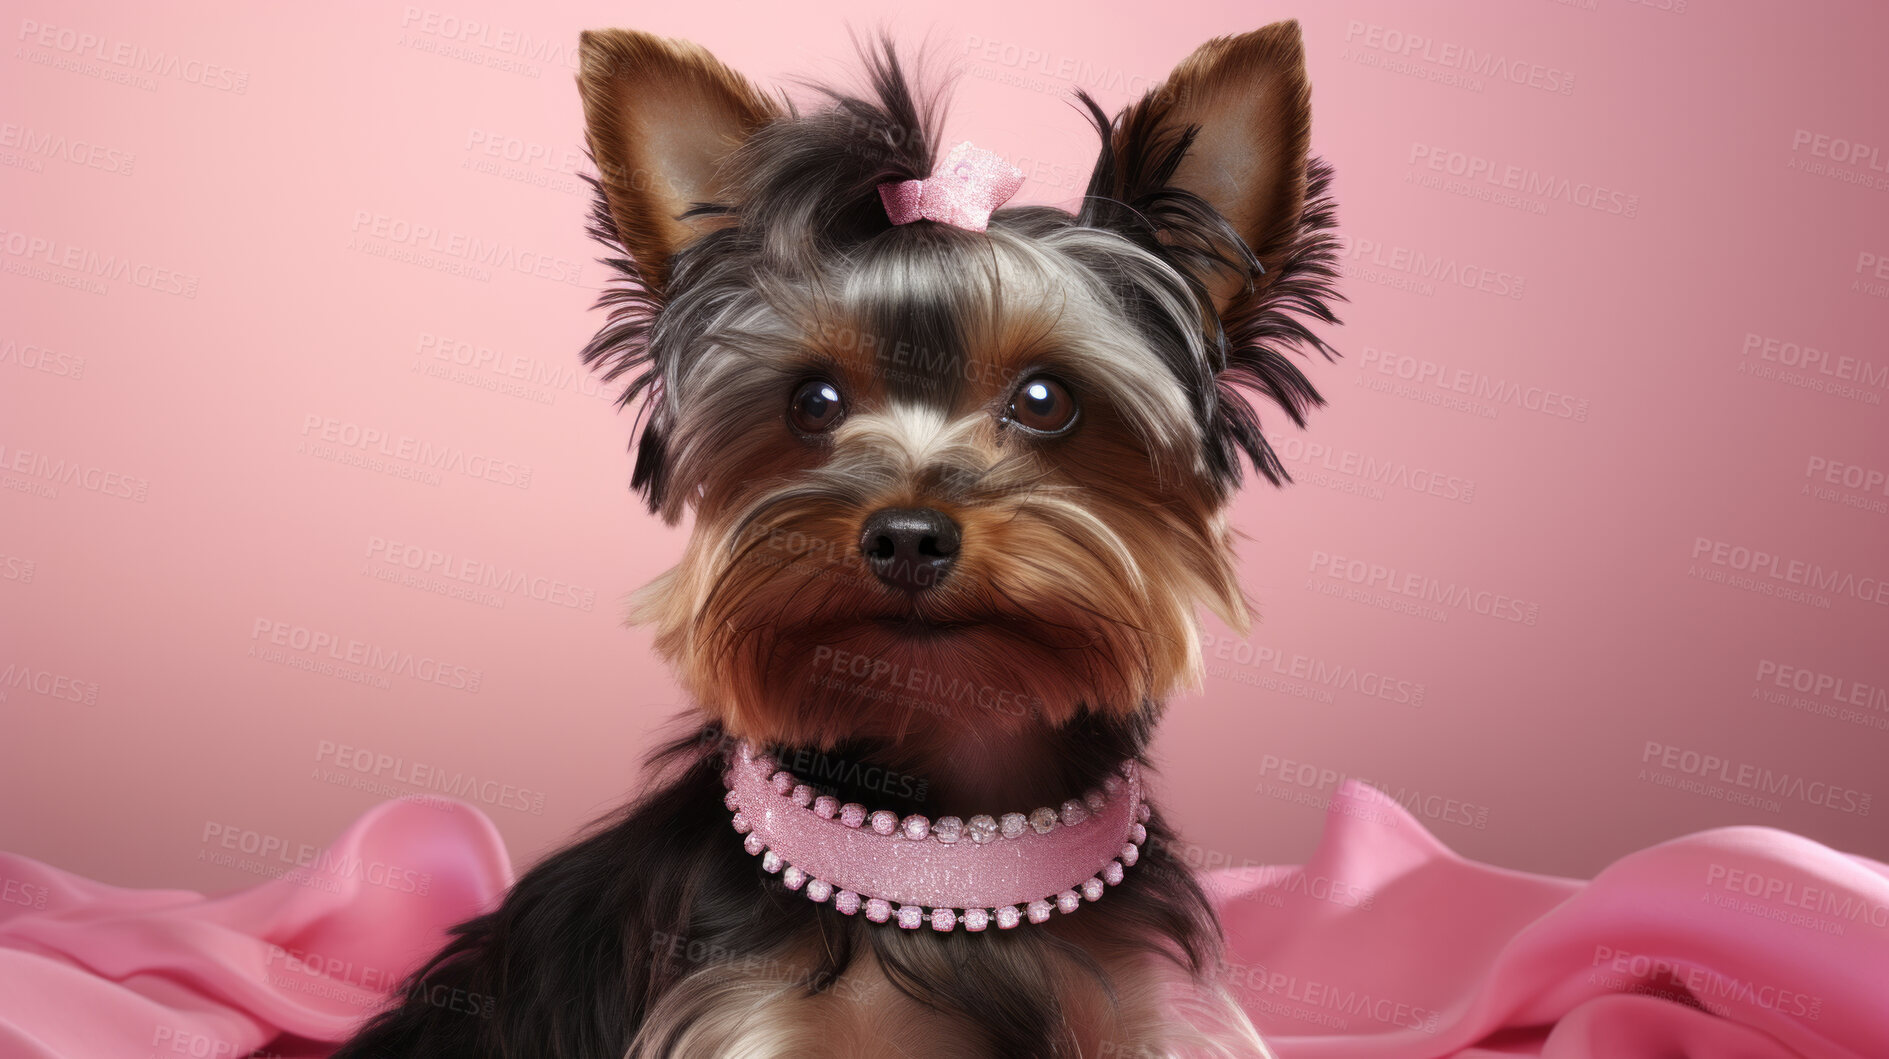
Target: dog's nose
[[909, 548]]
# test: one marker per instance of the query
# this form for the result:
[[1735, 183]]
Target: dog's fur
[[755, 255]]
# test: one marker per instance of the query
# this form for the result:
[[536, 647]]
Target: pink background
[[1551, 396]]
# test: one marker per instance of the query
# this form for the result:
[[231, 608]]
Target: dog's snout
[[910, 548]]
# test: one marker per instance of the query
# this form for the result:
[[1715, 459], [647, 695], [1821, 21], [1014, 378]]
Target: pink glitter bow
[[962, 192]]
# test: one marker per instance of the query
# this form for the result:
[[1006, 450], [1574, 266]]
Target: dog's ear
[[1231, 125], [1211, 172], [661, 116]]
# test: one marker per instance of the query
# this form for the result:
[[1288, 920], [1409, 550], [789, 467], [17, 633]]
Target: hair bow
[[962, 192]]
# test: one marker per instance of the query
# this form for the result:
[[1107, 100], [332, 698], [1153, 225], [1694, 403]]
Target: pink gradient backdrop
[[261, 173]]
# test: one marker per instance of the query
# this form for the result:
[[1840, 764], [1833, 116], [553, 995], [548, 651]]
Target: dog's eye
[[1043, 405], [816, 407]]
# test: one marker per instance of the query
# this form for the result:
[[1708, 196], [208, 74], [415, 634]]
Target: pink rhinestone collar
[[950, 872]]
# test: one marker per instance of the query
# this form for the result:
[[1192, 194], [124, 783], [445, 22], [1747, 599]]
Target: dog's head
[[944, 479]]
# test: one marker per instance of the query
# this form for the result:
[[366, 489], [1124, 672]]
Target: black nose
[[909, 548]]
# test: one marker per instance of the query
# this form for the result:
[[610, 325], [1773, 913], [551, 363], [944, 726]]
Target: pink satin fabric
[[292, 964], [1737, 943]]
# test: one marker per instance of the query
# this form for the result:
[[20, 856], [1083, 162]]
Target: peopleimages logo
[[313, 644], [1625, 969], [129, 58], [510, 580], [1506, 176], [38, 358], [1420, 272], [1427, 589], [34, 143], [331, 435], [1465, 59], [1823, 685], [1757, 563], [43, 474], [425, 776], [1306, 776], [426, 245], [90, 265], [1482, 394], [1314, 671], [48, 683], [1758, 779], [1793, 893]]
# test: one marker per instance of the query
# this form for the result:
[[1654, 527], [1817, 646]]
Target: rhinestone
[[915, 827], [753, 844], [1142, 812], [911, 917], [1138, 833], [846, 901], [1095, 800], [885, 821], [819, 889], [943, 919], [742, 826], [771, 861], [982, 828], [976, 919], [1130, 854], [793, 878], [852, 814], [803, 794], [1039, 910], [1007, 917], [826, 807], [1112, 871], [728, 780], [731, 800], [783, 782], [947, 829], [1111, 783], [878, 910], [1068, 901], [1074, 812], [746, 752], [1092, 890], [1013, 825], [1043, 820]]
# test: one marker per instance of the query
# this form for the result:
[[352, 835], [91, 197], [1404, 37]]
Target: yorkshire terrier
[[958, 474]]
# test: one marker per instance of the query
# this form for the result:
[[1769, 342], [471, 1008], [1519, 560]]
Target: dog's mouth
[[921, 627]]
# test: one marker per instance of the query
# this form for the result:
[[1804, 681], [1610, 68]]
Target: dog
[[958, 474]]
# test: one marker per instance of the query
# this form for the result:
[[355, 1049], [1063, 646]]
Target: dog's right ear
[[661, 116]]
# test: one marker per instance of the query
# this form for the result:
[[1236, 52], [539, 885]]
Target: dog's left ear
[[1248, 105]]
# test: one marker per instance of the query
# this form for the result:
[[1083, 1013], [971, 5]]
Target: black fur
[[588, 939]]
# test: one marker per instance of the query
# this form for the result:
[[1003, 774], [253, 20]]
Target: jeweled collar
[[949, 872]]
